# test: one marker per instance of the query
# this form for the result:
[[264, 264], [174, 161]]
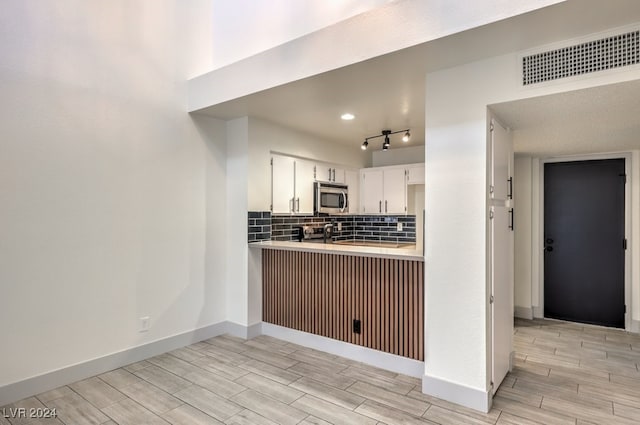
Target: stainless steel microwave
[[331, 198]]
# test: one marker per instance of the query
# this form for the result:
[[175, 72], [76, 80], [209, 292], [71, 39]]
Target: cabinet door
[[371, 191], [324, 173], [282, 184], [416, 175], [352, 180], [501, 152], [395, 191], [338, 175], [304, 187]]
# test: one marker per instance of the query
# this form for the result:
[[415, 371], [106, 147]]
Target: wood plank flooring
[[564, 373]]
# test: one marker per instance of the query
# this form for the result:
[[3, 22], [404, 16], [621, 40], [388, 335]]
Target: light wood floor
[[564, 374]]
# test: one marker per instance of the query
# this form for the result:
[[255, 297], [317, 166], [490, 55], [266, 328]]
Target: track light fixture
[[387, 142]]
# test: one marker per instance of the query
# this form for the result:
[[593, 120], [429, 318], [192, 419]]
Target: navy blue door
[[584, 241]]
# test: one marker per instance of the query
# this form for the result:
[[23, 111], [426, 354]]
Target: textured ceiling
[[594, 120]]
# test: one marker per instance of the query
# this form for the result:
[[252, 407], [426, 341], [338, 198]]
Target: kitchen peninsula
[[369, 296]]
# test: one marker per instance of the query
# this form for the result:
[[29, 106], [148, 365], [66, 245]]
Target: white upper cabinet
[[415, 174], [291, 185], [371, 190], [395, 191], [330, 173], [304, 179], [282, 184]]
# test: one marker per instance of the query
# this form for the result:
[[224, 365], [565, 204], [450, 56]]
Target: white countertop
[[360, 251]]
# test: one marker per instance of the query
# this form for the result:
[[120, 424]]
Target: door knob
[[549, 241], [548, 248]]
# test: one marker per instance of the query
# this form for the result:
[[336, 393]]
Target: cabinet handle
[[329, 174], [385, 206], [511, 216], [380, 206], [291, 205], [510, 190], [334, 174], [298, 205]]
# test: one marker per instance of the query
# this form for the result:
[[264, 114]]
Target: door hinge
[[624, 244], [271, 161], [490, 188], [625, 177], [491, 299], [625, 309], [271, 207], [491, 127], [490, 215]]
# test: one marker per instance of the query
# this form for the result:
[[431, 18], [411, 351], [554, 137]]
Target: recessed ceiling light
[[347, 116]]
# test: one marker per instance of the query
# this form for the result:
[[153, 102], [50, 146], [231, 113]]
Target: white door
[[352, 180], [371, 191], [502, 291], [395, 191], [282, 184], [304, 187], [501, 235]]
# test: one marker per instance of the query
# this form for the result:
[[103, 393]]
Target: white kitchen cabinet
[[415, 174], [304, 179], [352, 180], [371, 187], [282, 184], [383, 190], [330, 173], [291, 185], [394, 191]]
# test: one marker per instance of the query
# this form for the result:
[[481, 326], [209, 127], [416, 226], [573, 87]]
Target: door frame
[[538, 244]]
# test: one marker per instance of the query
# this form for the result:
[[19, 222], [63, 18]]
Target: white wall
[[237, 220], [242, 28], [456, 296], [103, 181], [266, 137], [398, 156], [393, 26]]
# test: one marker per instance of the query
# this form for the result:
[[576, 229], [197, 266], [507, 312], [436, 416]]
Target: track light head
[[364, 145], [406, 136]]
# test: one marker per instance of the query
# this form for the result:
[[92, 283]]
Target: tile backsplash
[[354, 227], [259, 226]]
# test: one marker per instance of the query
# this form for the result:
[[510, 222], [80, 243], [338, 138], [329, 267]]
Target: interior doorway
[[584, 241]]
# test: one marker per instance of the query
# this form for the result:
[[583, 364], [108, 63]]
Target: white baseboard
[[54, 379], [538, 312], [358, 353], [635, 326], [244, 332], [523, 312], [456, 393]]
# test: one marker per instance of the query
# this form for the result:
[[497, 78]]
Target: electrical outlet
[[145, 324], [399, 227], [357, 327], [339, 227]]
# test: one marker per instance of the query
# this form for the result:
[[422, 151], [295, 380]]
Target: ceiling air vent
[[598, 55]]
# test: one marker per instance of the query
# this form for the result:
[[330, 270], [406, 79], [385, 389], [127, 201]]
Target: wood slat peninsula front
[[323, 293]]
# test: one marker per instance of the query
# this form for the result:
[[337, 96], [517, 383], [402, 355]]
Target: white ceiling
[[388, 91], [594, 120]]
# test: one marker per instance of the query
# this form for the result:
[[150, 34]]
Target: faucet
[[328, 232]]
